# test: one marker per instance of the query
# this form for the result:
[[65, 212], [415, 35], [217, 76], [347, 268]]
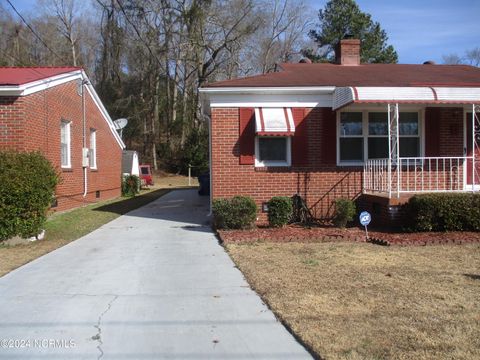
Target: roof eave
[[268, 90], [37, 85]]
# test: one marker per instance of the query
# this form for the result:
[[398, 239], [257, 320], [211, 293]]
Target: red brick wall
[[321, 181], [33, 123], [12, 123]]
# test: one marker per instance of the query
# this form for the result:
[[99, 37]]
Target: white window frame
[[66, 126], [93, 149], [365, 135], [364, 129], [268, 163]]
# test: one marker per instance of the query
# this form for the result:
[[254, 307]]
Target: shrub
[[444, 212], [239, 212], [28, 187], [344, 212], [280, 211], [130, 185]]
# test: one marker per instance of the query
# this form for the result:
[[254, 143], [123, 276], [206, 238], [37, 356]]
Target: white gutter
[[39, 85], [103, 111], [268, 90]]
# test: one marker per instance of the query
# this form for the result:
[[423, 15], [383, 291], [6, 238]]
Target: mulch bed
[[296, 233]]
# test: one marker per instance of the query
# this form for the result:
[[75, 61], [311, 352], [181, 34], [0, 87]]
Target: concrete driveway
[[152, 284]]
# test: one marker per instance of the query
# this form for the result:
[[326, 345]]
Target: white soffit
[[39, 85], [320, 96], [44, 84], [430, 95], [103, 111]]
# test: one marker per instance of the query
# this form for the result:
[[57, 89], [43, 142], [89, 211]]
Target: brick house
[[56, 111], [377, 133]]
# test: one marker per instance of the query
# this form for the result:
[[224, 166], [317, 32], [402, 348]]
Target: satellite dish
[[120, 123]]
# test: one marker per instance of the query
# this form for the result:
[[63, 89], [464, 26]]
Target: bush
[[280, 211], [444, 212], [344, 212], [239, 212], [130, 185], [28, 182]]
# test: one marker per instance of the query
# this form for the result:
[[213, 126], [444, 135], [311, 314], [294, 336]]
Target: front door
[[469, 146]]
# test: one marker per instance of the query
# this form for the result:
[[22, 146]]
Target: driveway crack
[[98, 336]]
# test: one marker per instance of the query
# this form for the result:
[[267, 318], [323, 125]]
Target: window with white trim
[[409, 132], [364, 135], [351, 137], [93, 149], [65, 142], [272, 151]]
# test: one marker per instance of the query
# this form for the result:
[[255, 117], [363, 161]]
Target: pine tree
[[342, 18]]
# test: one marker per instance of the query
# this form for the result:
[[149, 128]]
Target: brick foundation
[[320, 181]]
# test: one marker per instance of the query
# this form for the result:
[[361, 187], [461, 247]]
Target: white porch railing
[[416, 175]]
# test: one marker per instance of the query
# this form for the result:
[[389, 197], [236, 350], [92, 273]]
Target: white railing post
[[475, 129], [444, 176]]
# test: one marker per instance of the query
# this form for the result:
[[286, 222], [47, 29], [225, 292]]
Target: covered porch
[[440, 152]]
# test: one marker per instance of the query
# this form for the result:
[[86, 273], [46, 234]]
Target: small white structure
[[130, 164]]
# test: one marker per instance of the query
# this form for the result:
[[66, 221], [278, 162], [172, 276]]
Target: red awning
[[274, 122]]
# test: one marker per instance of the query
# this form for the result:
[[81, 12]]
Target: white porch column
[[393, 149]]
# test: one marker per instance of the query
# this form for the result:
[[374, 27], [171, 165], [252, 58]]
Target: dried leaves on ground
[[363, 301]]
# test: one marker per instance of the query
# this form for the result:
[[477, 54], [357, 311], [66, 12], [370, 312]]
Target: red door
[[469, 150]]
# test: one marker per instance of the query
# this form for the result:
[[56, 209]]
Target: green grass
[[62, 228], [79, 222]]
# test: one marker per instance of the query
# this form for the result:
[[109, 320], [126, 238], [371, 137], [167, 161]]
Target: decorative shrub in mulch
[[296, 233]]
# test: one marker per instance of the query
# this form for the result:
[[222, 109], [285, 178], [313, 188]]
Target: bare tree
[[471, 57], [281, 37]]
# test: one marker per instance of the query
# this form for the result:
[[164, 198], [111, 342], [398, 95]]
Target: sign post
[[365, 219]]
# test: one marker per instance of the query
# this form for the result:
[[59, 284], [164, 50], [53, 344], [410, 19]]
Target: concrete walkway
[[152, 284]]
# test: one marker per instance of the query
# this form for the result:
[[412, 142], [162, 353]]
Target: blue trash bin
[[204, 181]]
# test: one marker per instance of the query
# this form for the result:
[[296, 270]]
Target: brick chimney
[[347, 52]]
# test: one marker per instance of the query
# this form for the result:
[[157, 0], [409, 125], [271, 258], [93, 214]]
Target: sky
[[419, 30], [422, 30]]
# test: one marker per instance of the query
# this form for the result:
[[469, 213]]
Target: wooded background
[[147, 58]]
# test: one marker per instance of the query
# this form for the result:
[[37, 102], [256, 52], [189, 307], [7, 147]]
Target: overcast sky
[[419, 30], [423, 30]]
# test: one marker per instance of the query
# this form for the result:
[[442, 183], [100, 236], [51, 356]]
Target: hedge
[[130, 185], [280, 211], [28, 182], [239, 212], [444, 212], [344, 212]]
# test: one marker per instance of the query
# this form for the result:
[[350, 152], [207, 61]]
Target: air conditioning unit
[[85, 157]]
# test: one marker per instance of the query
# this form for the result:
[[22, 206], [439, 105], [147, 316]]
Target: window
[[377, 135], [351, 137], [93, 149], [272, 151], [65, 152], [364, 135], [409, 134]]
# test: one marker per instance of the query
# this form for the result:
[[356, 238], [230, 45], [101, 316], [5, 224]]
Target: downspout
[[209, 119], [85, 173]]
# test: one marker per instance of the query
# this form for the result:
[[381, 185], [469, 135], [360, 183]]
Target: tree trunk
[[156, 113]]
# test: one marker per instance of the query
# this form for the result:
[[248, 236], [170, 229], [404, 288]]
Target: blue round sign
[[365, 218]]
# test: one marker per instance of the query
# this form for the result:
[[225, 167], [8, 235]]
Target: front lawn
[[63, 228], [363, 301]]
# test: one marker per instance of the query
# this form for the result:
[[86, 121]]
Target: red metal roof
[[24, 75], [389, 75]]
